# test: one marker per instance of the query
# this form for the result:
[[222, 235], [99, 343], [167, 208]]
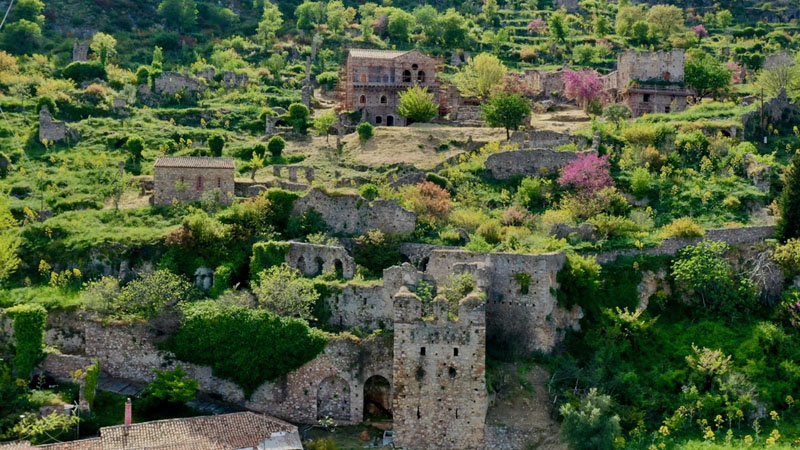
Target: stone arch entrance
[[319, 264], [377, 398], [338, 267], [333, 399]]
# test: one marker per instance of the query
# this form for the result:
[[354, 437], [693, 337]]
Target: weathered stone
[[186, 179], [234, 80], [353, 214], [649, 82], [171, 83], [313, 259], [778, 113], [531, 163], [80, 51], [53, 131], [204, 278]]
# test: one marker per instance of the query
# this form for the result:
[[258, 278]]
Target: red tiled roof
[[83, 444], [195, 162]]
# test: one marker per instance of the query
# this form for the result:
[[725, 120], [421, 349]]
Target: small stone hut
[[187, 178]]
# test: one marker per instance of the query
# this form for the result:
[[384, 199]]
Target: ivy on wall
[[29, 323]]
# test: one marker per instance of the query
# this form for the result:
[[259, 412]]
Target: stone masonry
[[649, 82], [439, 370], [312, 259], [352, 214], [52, 130], [186, 178], [531, 163], [171, 83]]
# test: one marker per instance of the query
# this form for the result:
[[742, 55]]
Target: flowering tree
[[588, 173], [736, 72], [700, 31], [537, 26], [585, 86]]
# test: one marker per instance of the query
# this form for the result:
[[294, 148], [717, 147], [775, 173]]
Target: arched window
[[363, 99], [406, 76], [414, 66], [420, 77], [383, 99], [378, 120], [199, 182]]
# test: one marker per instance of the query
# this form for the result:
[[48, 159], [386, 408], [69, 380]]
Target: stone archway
[[377, 398], [333, 399]]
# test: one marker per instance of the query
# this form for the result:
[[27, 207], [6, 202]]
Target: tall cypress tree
[[789, 223]]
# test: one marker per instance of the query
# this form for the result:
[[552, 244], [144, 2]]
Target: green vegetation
[[29, 321]]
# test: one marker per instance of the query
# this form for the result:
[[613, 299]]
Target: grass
[[49, 297]]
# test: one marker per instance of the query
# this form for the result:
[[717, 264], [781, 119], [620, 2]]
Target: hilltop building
[[374, 79], [187, 178], [649, 82]]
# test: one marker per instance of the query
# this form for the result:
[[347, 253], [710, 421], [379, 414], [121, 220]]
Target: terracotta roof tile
[[83, 444], [195, 162]]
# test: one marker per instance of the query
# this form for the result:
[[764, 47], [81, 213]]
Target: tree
[[284, 292], [789, 222], [365, 131], [256, 162], [216, 143], [150, 295], [626, 17], [21, 37], [590, 423], [427, 18], [309, 15], [665, 20], [557, 26], [135, 145], [275, 146], [601, 25], [29, 10], [323, 124], [588, 173], [105, 46], [298, 117], [585, 86], [400, 25], [640, 33], [480, 75], [416, 104], [490, 9], [505, 110], [339, 16], [271, 22], [724, 18], [782, 72], [616, 113], [452, 29], [9, 242], [181, 14], [170, 388], [705, 75]]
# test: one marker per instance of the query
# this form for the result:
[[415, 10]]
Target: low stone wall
[[544, 139], [731, 236], [352, 214], [531, 163], [311, 259], [61, 367]]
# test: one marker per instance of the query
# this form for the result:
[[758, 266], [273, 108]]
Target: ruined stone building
[[544, 82], [187, 178], [374, 79], [649, 82]]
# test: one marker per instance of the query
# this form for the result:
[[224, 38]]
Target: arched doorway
[[318, 265], [333, 399], [338, 267], [389, 121], [377, 399], [301, 265]]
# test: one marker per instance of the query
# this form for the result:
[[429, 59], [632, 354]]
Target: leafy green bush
[[80, 72], [310, 222], [135, 145], [29, 323], [321, 444], [222, 280], [788, 257], [533, 193], [578, 281], [376, 251], [328, 80], [491, 231], [369, 191], [610, 227], [150, 295], [266, 255], [215, 144], [170, 389], [244, 345], [683, 227], [641, 182], [590, 423], [283, 291], [438, 180], [365, 131], [297, 117], [275, 145]]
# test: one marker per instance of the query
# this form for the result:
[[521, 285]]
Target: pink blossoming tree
[[700, 31], [537, 26], [736, 72], [587, 174], [584, 87]]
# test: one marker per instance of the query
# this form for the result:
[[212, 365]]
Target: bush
[[437, 179], [310, 222], [275, 145], [369, 191], [609, 227], [468, 218], [683, 227], [80, 72], [143, 75], [170, 389], [515, 216], [51, 105], [328, 80], [29, 323], [491, 231], [365, 131], [427, 200], [266, 255], [641, 182], [297, 117], [135, 146], [533, 193], [222, 280], [578, 281], [150, 295], [227, 338], [788, 257], [216, 143], [283, 291], [589, 423], [376, 251], [321, 444]]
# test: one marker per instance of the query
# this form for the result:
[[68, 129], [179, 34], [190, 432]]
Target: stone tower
[[439, 397]]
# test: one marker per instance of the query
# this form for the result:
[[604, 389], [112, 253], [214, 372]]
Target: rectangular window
[[219, 182], [455, 351], [646, 98], [422, 351], [199, 182]]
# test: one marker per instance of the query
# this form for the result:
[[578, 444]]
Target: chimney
[[128, 413]]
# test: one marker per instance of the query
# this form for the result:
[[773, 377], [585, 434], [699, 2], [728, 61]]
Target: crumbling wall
[[353, 214], [778, 112], [439, 365], [646, 66], [532, 163], [312, 259], [80, 51], [171, 83], [53, 131]]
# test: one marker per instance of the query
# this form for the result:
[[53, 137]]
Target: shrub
[[99, 295], [80, 72], [266, 255], [468, 218], [369, 191], [216, 143], [693, 146], [641, 182], [284, 292], [365, 131], [321, 444], [29, 323], [491, 231], [437, 179], [227, 338], [427, 200], [589, 423], [297, 117], [416, 104], [789, 222], [578, 281], [150, 295], [788, 257], [310, 222], [328, 80], [143, 75], [376, 251], [652, 158], [170, 389], [258, 149], [222, 280], [51, 105], [275, 145], [135, 146], [533, 193], [515, 216], [684, 227], [609, 227]]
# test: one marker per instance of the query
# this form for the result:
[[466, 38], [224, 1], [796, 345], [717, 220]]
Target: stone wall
[[311, 259], [545, 83], [352, 214], [80, 51], [181, 184], [731, 236], [779, 112], [545, 139], [171, 83], [440, 398], [532, 163], [52, 130], [645, 66]]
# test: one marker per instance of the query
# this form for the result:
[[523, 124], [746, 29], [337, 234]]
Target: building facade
[[374, 80], [649, 82], [187, 178]]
